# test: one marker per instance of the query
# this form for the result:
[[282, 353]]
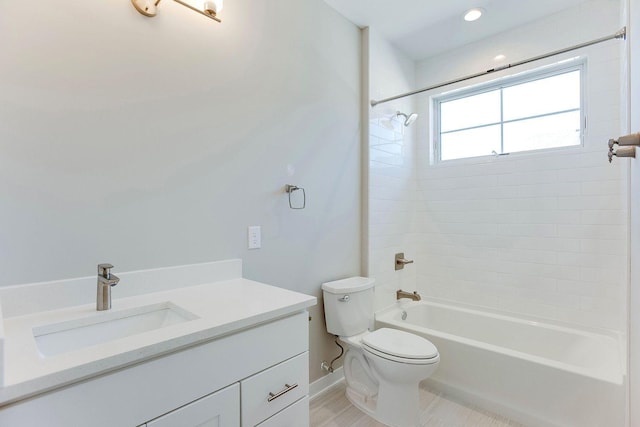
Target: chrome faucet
[[105, 281], [404, 294]]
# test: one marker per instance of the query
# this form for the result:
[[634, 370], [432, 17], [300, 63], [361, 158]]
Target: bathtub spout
[[415, 296]]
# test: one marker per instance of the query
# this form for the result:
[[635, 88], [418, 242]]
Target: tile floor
[[332, 409]]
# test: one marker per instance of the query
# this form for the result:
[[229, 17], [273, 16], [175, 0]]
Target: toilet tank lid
[[350, 284]]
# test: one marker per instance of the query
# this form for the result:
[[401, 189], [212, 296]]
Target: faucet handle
[[104, 270]]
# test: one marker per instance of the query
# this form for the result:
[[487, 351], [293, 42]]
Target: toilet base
[[386, 410], [366, 404], [379, 395]]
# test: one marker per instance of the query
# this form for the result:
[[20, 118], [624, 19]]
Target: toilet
[[382, 368]]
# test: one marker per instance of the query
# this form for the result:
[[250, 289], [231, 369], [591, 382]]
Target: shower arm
[[408, 119]]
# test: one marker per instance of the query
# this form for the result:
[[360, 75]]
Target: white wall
[[156, 142], [392, 176], [540, 234], [634, 323]]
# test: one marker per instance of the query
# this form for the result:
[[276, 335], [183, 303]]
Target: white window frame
[[578, 64]]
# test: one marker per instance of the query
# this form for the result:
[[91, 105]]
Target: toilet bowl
[[382, 368]]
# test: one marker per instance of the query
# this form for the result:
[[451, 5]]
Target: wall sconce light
[[210, 8]]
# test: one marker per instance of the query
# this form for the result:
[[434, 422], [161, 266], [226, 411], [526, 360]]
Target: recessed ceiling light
[[473, 14], [499, 57]]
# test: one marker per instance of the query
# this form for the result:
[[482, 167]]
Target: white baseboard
[[321, 385]]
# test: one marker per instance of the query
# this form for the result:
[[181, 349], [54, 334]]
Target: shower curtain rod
[[621, 34]]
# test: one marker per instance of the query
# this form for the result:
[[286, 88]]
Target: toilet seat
[[400, 346]]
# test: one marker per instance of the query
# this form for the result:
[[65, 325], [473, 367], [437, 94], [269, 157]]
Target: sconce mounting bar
[[213, 16], [150, 8]]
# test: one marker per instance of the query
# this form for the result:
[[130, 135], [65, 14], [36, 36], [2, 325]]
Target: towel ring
[[289, 189]]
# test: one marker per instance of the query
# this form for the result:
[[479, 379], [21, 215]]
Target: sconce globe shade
[[213, 7]]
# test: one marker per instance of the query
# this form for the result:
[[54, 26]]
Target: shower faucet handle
[[401, 261]]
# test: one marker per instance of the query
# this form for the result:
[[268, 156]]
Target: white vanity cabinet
[[272, 390], [259, 396], [295, 415], [224, 382], [219, 409]]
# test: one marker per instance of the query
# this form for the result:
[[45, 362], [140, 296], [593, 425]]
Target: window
[[520, 114]]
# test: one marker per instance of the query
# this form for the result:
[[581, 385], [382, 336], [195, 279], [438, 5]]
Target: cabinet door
[[219, 409]]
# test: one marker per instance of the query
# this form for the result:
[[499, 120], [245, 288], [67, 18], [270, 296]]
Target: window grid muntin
[[511, 121], [547, 72]]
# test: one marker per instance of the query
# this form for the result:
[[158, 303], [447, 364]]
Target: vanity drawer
[[272, 390], [295, 415]]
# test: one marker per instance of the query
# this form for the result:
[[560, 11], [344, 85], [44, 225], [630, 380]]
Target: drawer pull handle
[[287, 389]]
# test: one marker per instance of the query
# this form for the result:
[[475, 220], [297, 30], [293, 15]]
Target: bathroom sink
[[102, 327]]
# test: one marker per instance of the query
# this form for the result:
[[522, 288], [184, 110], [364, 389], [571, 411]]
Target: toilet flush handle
[[345, 298]]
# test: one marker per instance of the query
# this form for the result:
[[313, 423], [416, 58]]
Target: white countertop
[[221, 307]]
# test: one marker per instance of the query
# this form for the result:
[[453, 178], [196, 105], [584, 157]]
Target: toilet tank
[[348, 305]]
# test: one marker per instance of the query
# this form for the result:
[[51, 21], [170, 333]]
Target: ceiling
[[423, 28]]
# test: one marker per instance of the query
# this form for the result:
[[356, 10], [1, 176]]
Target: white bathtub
[[539, 374]]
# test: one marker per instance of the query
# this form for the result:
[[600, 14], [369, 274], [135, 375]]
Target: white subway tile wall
[[392, 172], [541, 234], [391, 190]]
